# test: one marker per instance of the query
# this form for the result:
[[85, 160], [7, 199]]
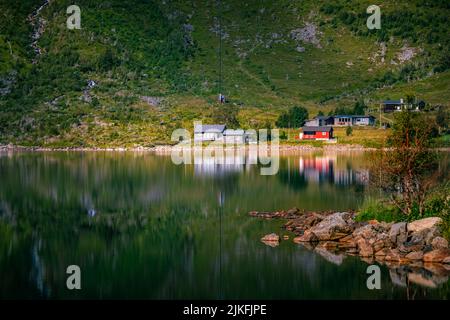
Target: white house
[[232, 136], [219, 132], [209, 132]]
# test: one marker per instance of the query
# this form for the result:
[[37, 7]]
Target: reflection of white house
[[219, 164]]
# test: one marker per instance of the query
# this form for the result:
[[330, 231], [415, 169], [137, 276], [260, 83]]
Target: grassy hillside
[[155, 64]]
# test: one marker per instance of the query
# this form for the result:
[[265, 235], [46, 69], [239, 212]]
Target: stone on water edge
[[271, 237], [332, 227]]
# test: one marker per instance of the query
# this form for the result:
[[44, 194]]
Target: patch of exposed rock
[[406, 53], [308, 34], [86, 97], [38, 25], [218, 29], [152, 101], [379, 56]]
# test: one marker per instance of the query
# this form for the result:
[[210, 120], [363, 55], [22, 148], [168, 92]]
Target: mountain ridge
[[155, 65]]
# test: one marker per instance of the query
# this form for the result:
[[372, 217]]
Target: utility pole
[[380, 115]]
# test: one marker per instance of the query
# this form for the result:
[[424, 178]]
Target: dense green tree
[[410, 98], [359, 108], [294, 118], [298, 116], [283, 120]]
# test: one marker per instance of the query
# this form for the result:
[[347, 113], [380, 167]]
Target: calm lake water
[[141, 227]]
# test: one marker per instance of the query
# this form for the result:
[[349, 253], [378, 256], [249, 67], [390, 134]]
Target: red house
[[317, 133]]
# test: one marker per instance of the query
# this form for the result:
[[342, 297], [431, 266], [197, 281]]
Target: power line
[[220, 46]]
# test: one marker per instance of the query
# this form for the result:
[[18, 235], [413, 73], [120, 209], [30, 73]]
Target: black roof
[[343, 116], [323, 117], [392, 102], [352, 116], [364, 116], [315, 128]]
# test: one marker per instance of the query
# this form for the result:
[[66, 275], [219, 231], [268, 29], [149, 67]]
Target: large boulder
[[439, 243], [426, 223], [397, 233], [333, 227], [415, 241], [437, 255]]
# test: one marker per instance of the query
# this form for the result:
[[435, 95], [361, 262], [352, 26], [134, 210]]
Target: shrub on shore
[[438, 205]]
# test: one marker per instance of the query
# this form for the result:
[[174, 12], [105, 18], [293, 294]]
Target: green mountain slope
[[139, 69]]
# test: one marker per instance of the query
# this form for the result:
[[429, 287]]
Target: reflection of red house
[[317, 169], [317, 133]]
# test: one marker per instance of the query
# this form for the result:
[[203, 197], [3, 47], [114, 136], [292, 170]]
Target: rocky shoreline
[[403, 247], [168, 148], [420, 240]]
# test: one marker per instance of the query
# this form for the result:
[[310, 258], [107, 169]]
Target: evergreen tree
[[294, 118]]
